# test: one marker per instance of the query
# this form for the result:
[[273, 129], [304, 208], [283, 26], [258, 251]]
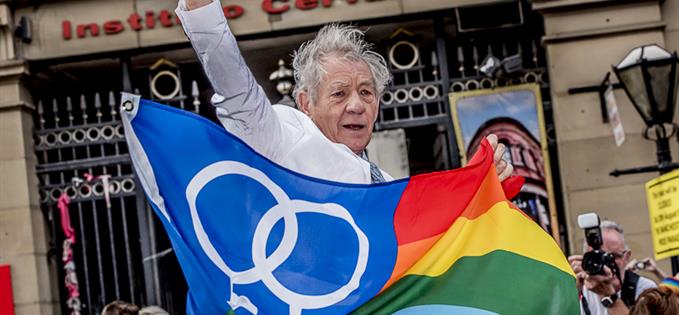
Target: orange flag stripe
[[489, 193]]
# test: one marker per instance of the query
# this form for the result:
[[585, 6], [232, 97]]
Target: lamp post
[[649, 76]]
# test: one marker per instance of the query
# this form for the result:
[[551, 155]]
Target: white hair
[[343, 41], [614, 226]]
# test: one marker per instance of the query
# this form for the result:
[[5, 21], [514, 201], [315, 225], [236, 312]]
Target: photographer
[[608, 293]]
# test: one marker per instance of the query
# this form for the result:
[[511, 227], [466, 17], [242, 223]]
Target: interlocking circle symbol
[[264, 266]]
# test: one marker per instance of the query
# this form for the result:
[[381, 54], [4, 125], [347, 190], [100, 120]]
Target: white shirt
[[594, 300], [283, 134]]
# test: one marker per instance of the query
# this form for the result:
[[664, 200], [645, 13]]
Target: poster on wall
[[515, 115]]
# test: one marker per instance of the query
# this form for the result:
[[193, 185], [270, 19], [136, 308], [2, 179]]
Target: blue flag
[[251, 235]]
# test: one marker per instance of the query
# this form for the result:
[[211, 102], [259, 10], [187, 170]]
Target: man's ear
[[304, 102]]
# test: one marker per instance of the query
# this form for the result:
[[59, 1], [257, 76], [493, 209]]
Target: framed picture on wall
[[515, 115]]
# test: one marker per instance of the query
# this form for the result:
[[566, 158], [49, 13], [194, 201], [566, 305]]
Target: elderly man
[[339, 84], [605, 294]]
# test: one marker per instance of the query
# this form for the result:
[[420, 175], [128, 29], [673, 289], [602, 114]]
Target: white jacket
[[281, 133]]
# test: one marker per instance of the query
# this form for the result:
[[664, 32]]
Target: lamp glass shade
[[660, 83], [648, 74], [633, 80]]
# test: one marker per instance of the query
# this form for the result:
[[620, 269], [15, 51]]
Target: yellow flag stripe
[[501, 228]]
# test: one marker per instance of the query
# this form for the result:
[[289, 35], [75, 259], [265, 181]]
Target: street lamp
[[649, 76]]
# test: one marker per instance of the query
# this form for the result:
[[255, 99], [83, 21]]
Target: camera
[[641, 265], [593, 262]]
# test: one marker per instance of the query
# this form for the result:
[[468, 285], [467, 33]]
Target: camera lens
[[593, 263]]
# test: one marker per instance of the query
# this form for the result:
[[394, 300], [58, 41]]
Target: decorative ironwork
[[71, 142], [82, 155], [417, 95], [283, 77]]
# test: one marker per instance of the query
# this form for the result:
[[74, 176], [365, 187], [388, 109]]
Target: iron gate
[[120, 251]]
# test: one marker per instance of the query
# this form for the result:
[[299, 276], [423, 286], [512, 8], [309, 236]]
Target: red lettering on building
[[150, 20], [81, 29], [66, 30], [165, 18], [113, 27], [233, 11], [306, 4], [267, 6], [135, 21]]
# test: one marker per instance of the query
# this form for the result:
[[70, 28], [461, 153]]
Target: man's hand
[[646, 264], [195, 4], [603, 285], [576, 264], [503, 168]]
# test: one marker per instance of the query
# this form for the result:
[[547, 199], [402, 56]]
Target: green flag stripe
[[500, 281]]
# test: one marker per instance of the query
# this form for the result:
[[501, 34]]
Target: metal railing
[[119, 251]]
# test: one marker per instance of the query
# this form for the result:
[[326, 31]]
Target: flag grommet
[[128, 106]]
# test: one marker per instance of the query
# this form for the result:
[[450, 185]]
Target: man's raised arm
[[193, 4], [242, 105]]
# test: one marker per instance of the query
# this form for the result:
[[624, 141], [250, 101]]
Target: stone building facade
[[583, 39]]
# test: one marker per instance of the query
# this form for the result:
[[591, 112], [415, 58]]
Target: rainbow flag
[[255, 238], [472, 251]]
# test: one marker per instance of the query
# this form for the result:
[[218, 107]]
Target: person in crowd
[[608, 294], [120, 308], [656, 301], [339, 82], [671, 283], [649, 265]]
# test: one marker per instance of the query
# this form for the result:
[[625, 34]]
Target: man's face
[[346, 104], [613, 244]]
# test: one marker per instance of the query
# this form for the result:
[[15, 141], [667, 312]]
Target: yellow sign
[[662, 194]]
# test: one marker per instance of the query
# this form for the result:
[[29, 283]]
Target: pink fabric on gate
[[62, 204], [71, 278]]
